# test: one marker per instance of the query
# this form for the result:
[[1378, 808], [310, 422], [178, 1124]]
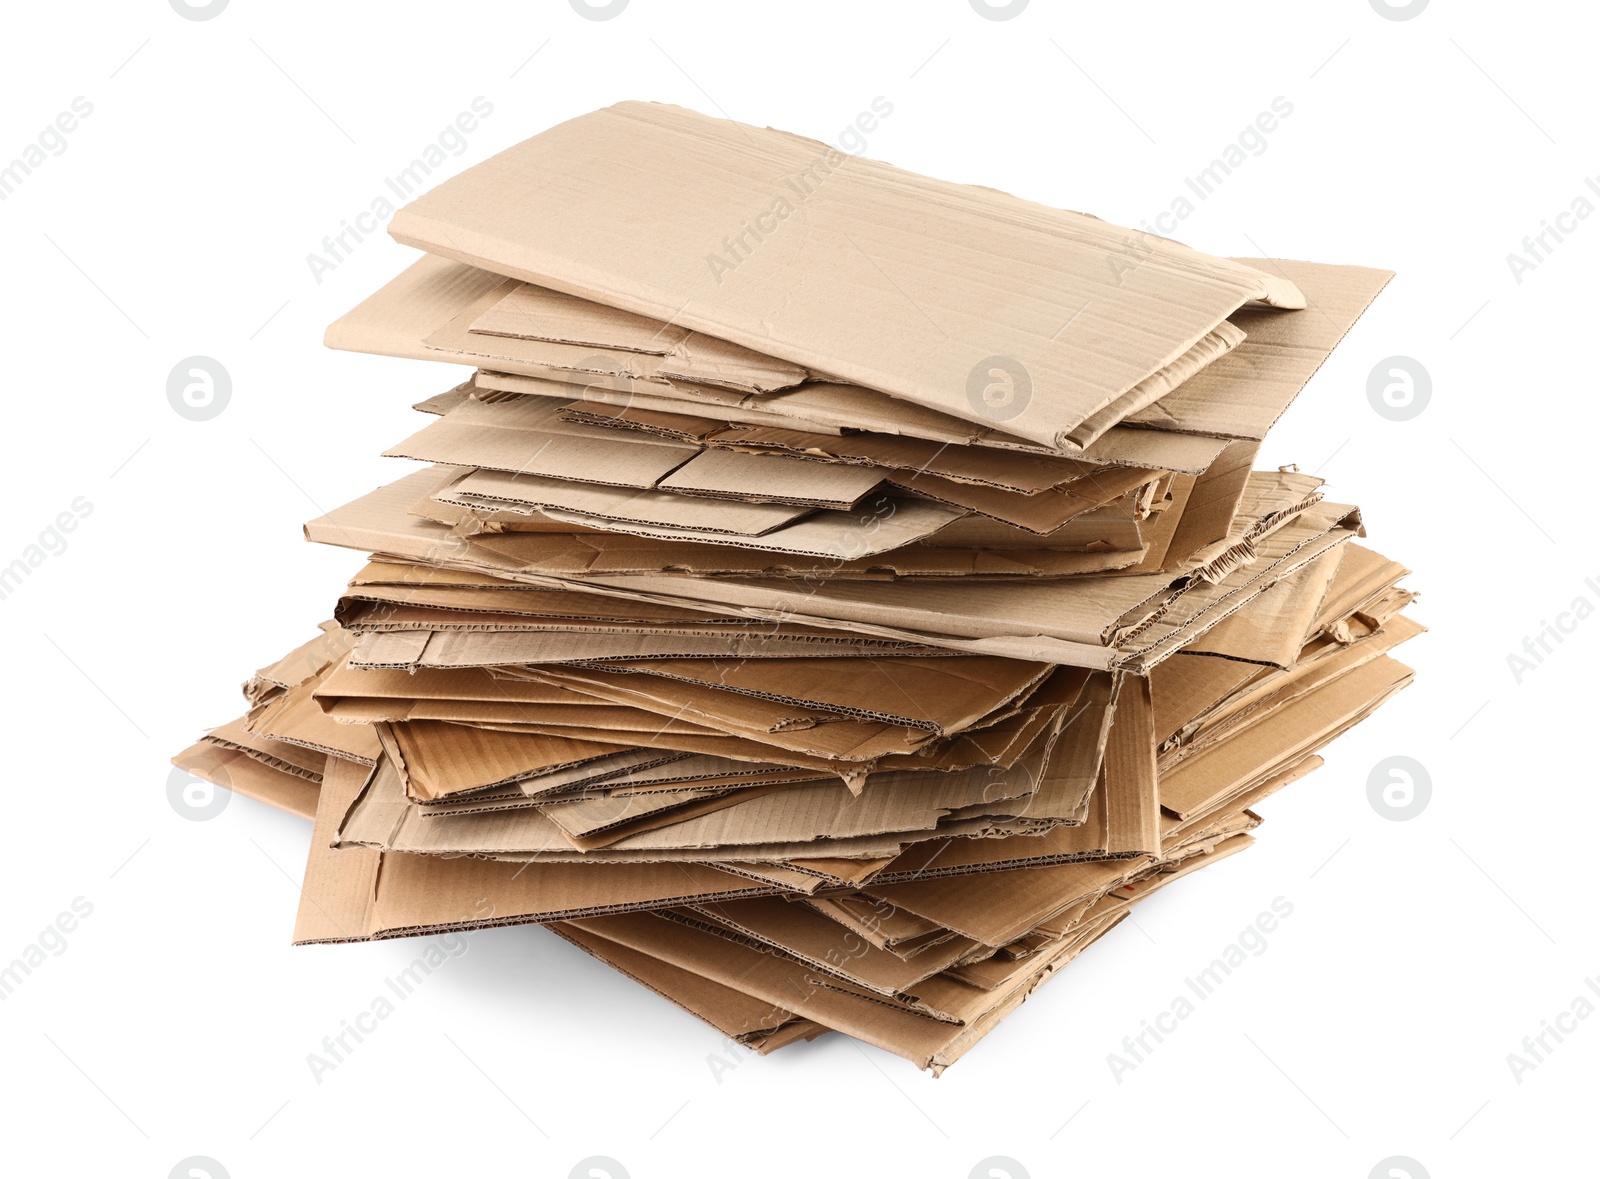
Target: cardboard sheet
[[357, 894], [235, 770], [411, 649], [1066, 622], [908, 335], [1246, 391]]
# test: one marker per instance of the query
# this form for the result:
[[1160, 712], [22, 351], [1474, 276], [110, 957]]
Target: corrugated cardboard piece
[[1248, 391], [539, 212], [835, 603]]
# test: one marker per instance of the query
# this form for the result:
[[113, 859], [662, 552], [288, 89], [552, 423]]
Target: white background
[[177, 221]]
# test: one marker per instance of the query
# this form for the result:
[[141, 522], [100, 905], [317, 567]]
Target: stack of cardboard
[[836, 597]]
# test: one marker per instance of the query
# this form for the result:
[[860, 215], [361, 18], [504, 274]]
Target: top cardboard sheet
[[851, 268]]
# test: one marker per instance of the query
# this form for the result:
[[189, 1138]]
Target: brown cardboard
[[1302, 725], [866, 221], [935, 997], [1091, 539], [1273, 628], [719, 370], [1261, 562], [823, 407], [298, 719], [347, 681], [1217, 343], [501, 491], [876, 542], [1217, 705], [305, 662], [1186, 687], [413, 649], [622, 725], [843, 638], [365, 613], [1076, 754], [1119, 816], [943, 696], [442, 760], [640, 816], [1068, 622], [394, 320], [597, 822], [1212, 504], [880, 925], [883, 525], [983, 466], [806, 934], [426, 312], [280, 755], [357, 894], [1112, 530], [535, 313], [527, 435], [728, 474], [686, 738], [536, 470], [1026, 727], [382, 818], [391, 586], [786, 723], [530, 436], [998, 907], [1241, 399], [929, 1042], [734, 823], [758, 1025], [234, 769], [635, 773], [1132, 790], [1043, 513], [1244, 393], [1362, 576]]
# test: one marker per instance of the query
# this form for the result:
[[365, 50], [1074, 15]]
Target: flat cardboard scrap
[[541, 212], [833, 604]]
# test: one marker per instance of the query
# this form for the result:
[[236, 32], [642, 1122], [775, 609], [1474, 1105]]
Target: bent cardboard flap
[[1246, 391]]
